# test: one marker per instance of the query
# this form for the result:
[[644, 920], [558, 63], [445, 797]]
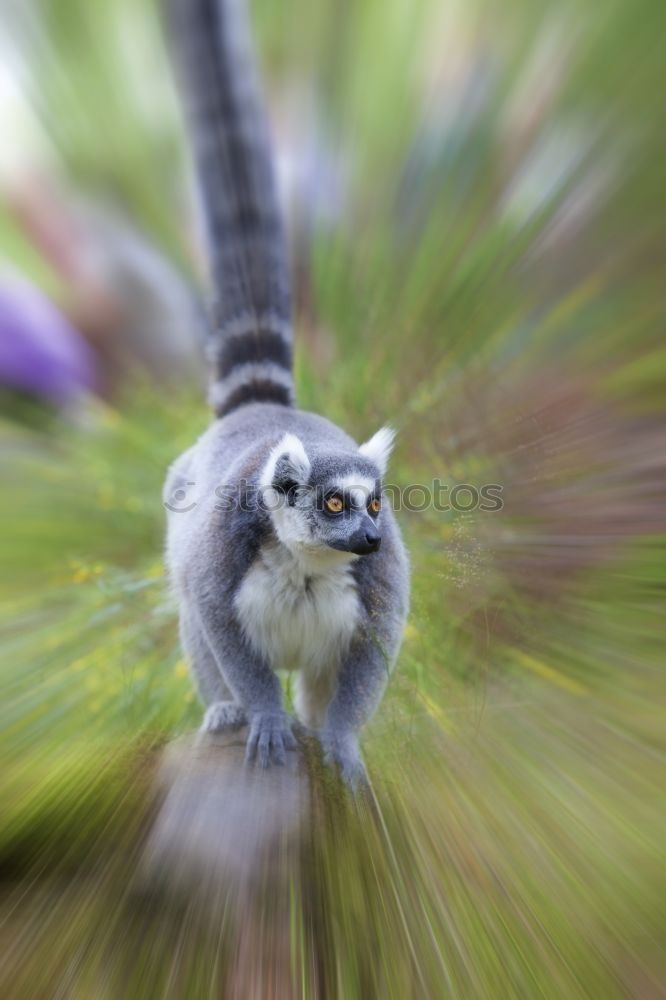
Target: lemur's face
[[330, 503], [344, 508]]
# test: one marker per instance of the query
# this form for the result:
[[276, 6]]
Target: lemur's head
[[329, 502]]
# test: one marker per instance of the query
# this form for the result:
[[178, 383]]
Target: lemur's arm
[[361, 682], [251, 680]]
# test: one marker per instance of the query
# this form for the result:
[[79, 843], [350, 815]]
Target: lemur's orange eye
[[375, 505], [334, 504]]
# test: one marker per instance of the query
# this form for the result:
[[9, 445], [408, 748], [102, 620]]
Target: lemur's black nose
[[369, 541], [373, 540], [365, 541]]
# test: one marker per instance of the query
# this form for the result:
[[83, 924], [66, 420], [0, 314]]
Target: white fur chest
[[298, 614]]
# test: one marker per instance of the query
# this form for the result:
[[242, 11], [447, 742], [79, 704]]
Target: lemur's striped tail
[[250, 348]]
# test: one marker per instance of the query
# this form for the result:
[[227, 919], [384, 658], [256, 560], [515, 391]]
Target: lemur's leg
[[222, 711], [314, 691], [254, 685], [361, 681]]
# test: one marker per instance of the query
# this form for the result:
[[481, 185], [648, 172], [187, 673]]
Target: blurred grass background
[[479, 224]]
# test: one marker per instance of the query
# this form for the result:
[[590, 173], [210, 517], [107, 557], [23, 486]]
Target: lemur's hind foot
[[223, 715]]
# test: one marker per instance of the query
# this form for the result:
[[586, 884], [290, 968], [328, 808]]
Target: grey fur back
[[250, 344]]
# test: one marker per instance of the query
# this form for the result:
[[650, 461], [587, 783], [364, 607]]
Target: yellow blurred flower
[[180, 670]]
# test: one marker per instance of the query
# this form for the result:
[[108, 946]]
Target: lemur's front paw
[[221, 715], [270, 736], [341, 750]]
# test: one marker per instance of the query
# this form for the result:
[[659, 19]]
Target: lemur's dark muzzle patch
[[365, 541]]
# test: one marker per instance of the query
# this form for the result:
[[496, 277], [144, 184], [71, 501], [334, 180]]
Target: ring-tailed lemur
[[277, 562]]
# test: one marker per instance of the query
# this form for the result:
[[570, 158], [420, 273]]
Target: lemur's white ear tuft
[[288, 460], [378, 448]]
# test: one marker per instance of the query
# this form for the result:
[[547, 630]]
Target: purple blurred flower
[[40, 353]]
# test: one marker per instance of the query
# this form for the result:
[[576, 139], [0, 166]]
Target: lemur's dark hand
[[341, 750], [270, 736]]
